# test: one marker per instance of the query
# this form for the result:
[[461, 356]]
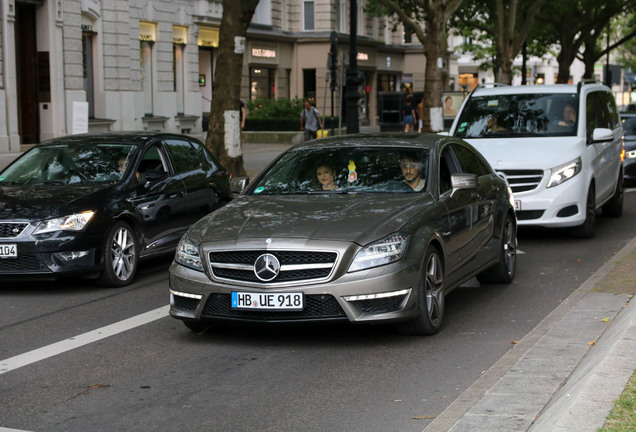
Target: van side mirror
[[602, 135]]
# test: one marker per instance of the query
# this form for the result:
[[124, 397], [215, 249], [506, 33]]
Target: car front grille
[[295, 266], [318, 306], [12, 229], [522, 180]]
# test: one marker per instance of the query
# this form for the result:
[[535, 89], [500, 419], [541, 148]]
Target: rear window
[[519, 115]]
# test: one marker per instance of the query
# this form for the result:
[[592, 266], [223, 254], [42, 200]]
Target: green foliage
[[274, 109], [277, 115]]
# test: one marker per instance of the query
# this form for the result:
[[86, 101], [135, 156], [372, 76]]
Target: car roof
[[499, 89], [376, 140], [123, 137]]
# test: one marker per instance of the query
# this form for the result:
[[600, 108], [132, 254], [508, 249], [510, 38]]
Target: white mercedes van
[[559, 146]]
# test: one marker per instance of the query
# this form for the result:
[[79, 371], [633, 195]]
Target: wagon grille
[[522, 180], [25, 262], [295, 266]]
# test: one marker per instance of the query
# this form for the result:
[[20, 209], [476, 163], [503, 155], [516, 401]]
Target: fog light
[[73, 255], [376, 296]]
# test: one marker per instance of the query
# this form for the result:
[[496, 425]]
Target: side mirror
[[464, 182], [602, 135], [238, 185]]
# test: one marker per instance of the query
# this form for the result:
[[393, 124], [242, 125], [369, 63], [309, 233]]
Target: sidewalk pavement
[[564, 375]]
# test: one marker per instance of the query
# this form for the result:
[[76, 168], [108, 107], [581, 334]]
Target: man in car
[[412, 172]]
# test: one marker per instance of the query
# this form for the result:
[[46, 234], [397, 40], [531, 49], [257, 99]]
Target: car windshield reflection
[[342, 170], [69, 164], [518, 115]]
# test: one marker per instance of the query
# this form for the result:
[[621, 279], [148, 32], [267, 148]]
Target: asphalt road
[[160, 376]]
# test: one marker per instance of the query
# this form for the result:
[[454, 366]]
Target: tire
[[614, 207], [588, 228], [430, 298], [505, 269], [120, 256]]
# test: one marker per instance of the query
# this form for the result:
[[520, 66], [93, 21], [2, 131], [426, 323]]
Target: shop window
[[262, 83]]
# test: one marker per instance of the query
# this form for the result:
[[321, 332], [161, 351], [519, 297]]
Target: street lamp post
[[353, 80]]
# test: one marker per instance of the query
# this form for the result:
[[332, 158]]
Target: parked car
[[559, 147], [366, 248], [95, 204], [629, 129]]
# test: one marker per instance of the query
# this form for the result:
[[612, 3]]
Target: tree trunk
[[436, 70], [223, 138]]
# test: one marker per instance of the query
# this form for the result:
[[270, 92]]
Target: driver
[[412, 172]]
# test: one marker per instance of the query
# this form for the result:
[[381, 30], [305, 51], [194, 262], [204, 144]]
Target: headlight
[[74, 222], [188, 254], [381, 252], [565, 172]]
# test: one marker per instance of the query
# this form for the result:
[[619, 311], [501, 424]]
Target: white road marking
[[11, 430], [81, 340]]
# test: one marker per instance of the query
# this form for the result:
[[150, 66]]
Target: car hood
[[528, 153], [38, 202], [359, 218]]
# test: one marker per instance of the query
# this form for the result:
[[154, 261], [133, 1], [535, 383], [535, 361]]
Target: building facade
[[99, 65]]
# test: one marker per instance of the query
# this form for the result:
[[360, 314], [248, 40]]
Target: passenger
[[412, 172], [325, 175], [493, 124]]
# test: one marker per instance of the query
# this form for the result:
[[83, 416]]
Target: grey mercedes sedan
[[357, 228]]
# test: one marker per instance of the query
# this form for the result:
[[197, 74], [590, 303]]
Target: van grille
[[522, 180]]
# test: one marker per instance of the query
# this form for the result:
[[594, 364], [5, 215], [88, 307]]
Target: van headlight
[[381, 252], [188, 254], [565, 172]]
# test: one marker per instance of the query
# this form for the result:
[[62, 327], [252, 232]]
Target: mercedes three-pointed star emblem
[[266, 267]]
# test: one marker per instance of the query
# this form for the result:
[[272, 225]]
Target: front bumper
[[193, 296]]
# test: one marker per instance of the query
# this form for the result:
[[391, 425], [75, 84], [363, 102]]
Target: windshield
[[70, 164], [518, 115], [346, 170]]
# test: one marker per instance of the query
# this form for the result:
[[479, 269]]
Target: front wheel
[[505, 269], [120, 256], [430, 298], [588, 228]]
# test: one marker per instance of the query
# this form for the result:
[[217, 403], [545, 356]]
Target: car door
[[197, 176], [160, 201], [605, 155], [470, 212]]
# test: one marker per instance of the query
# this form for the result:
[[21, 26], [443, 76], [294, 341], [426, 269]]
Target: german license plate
[[268, 301], [517, 205], [8, 251]]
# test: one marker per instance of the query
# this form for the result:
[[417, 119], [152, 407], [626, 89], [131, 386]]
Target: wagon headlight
[[565, 172], [74, 222], [381, 252], [188, 254]]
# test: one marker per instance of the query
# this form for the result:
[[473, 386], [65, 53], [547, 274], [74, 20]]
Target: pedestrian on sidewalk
[[310, 121]]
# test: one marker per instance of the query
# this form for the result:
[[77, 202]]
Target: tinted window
[[470, 163], [629, 125], [184, 157], [70, 163], [519, 115], [355, 169]]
